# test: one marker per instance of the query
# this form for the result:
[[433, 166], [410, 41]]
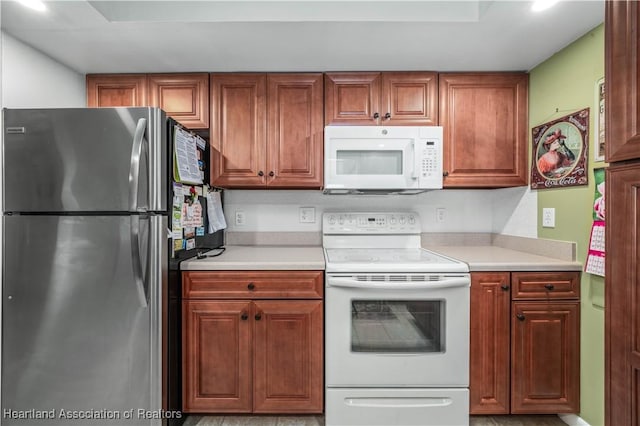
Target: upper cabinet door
[[622, 94], [184, 97], [409, 98], [238, 129], [485, 121], [116, 90], [388, 98], [295, 130], [352, 98]]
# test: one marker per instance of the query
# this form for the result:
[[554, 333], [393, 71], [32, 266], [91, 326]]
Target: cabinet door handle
[[260, 173], [387, 116], [376, 115], [244, 316], [251, 286], [445, 173], [258, 316], [505, 287], [271, 173], [549, 286], [520, 317]]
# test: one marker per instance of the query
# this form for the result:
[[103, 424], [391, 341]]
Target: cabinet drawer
[[252, 284], [545, 285]]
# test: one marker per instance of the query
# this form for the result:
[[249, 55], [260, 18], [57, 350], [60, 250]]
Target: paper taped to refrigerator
[[187, 169], [215, 213]]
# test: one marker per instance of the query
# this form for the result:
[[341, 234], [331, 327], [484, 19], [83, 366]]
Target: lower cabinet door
[[288, 354], [216, 356], [489, 367], [545, 374]]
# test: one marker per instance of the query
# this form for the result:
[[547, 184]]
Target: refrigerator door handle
[[136, 260], [134, 170]]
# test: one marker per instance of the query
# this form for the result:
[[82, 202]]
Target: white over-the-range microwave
[[379, 159]]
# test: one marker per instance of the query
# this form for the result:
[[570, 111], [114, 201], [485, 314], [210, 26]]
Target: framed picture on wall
[[560, 152], [598, 140]]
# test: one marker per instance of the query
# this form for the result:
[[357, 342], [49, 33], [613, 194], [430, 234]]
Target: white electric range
[[397, 324]]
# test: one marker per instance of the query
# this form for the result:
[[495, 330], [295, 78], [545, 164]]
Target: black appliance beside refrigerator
[[91, 290]]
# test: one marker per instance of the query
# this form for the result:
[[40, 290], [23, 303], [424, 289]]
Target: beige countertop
[[502, 253], [494, 258], [260, 258]]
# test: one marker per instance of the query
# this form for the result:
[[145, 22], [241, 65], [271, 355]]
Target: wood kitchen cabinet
[[485, 122], [381, 98], [253, 342], [217, 342], [622, 366], [116, 90], [489, 375], [267, 130], [622, 94], [525, 343], [622, 151], [184, 97]]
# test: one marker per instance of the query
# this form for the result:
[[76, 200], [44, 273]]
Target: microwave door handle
[[414, 174], [413, 285]]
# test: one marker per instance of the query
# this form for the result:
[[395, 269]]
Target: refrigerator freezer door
[[77, 338], [85, 159]]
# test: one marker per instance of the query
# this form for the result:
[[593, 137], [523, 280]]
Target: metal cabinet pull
[[376, 115], [387, 116], [251, 286], [505, 287], [260, 173], [258, 316], [244, 316], [520, 317], [271, 173], [549, 286]]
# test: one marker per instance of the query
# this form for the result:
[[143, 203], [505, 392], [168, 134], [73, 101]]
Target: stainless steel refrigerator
[[87, 331]]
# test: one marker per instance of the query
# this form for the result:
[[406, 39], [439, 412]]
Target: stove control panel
[[370, 223]]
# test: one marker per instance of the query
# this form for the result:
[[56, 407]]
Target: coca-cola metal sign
[[560, 152]]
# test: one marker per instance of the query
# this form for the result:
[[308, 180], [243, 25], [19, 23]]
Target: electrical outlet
[[549, 218], [440, 214], [307, 214], [241, 219]]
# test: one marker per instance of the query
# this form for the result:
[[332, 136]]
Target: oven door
[[400, 330]]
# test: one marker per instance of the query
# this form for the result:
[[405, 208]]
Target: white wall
[[30, 79], [511, 211], [515, 212]]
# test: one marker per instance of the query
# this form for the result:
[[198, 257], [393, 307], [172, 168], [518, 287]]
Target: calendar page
[[595, 258]]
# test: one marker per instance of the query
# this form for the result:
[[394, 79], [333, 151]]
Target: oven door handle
[[412, 285]]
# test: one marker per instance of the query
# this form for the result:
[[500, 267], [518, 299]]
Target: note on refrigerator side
[[186, 168]]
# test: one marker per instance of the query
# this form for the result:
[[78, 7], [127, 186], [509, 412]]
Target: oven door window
[[369, 162], [397, 326]]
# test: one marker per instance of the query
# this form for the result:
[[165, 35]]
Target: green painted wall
[[563, 84]]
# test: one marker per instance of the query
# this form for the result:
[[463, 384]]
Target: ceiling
[[299, 35]]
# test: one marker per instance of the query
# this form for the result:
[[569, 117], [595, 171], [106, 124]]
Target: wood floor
[[546, 420]]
